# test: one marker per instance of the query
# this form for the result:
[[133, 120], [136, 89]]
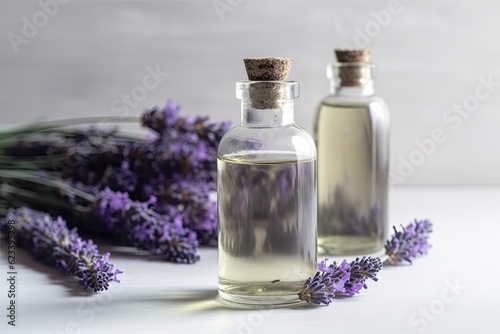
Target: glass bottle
[[267, 200], [351, 131]]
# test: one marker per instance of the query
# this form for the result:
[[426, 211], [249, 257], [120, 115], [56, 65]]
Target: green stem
[[386, 260], [70, 133], [12, 140], [32, 164], [4, 208], [46, 182], [47, 125], [34, 197]]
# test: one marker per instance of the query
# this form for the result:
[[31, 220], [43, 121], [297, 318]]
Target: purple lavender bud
[[99, 274], [346, 278], [361, 270], [318, 290], [400, 247], [198, 211], [120, 178], [340, 275], [192, 129], [409, 242], [352, 288], [110, 209], [178, 244], [88, 159], [138, 225], [50, 241], [323, 267], [208, 131], [423, 229], [160, 119]]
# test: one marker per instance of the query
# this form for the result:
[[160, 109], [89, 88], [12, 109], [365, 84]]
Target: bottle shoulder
[[373, 104], [290, 138], [340, 100], [334, 110]]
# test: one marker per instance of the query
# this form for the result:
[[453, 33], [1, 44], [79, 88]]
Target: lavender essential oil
[[351, 132], [266, 185]]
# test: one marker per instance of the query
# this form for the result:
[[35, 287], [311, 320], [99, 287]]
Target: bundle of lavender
[[153, 193]]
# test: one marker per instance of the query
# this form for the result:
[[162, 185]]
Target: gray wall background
[[434, 58]]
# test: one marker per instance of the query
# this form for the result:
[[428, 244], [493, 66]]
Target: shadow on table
[[71, 285], [194, 301], [58, 277]]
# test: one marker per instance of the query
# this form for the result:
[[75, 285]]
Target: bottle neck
[[281, 114], [351, 79], [366, 89]]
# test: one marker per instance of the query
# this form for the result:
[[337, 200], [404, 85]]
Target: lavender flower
[[344, 278], [50, 241], [167, 122], [120, 178], [340, 274], [166, 161], [89, 158], [177, 166], [409, 242], [161, 119], [318, 289], [187, 145], [192, 200], [361, 270], [136, 224], [98, 274]]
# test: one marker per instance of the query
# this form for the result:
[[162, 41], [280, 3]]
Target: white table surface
[[158, 297]]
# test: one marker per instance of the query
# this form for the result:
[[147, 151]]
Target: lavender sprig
[[344, 278], [409, 242], [49, 240], [138, 225], [177, 166]]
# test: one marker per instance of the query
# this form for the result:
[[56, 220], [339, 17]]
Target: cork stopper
[[352, 69], [267, 71], [268, 68], [352, 55]]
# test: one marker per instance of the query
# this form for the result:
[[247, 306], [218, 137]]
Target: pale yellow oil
[[267, 227], [352, 143]]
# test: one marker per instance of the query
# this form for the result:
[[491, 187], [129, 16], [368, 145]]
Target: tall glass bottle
[[267, 200], [351, 132]]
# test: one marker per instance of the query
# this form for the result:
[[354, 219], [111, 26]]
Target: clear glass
[[351, 131], [267, 202]]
